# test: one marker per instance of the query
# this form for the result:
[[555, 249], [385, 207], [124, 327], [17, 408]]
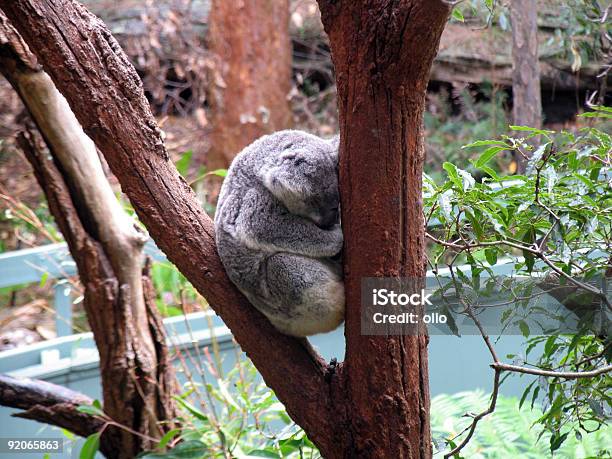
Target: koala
[[278, 232]]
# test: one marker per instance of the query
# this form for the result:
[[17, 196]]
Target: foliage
[[447, 131], [173, 291], [582, 28], [233, 416], [583, 32], [248, 422], [509, 432], [552, 224]]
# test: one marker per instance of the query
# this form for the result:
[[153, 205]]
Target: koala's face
[[303, 175]]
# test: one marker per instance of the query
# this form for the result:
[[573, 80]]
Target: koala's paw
[[337, 240]]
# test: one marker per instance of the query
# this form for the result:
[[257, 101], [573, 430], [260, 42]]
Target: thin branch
[[552, 374], [478, 417]]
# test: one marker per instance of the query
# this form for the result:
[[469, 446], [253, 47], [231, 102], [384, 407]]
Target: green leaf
[[557, 440], [69, 435], [550, 345], [192, 409], [43, 279], [487, 155], [227, 396], [490, 172], [530, 129], [524, 328], [458, 15], [219, 172], [596, 115], [484, 143], [90, 447], [182, 165], [263, 453], [491, 256], [526, 393], [534, 397], [167, 437], [453, 175], [191, 449], [91, 409]]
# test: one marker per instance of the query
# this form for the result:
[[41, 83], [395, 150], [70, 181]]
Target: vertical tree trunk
[[526, 96], [253, 75], [382, 52], [137, 377]]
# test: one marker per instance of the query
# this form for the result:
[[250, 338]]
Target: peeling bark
[[137, 377]]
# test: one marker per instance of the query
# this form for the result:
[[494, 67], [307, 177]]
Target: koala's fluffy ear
[[279, 183]]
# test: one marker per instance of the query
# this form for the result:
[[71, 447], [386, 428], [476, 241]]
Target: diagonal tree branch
[[105, 93]]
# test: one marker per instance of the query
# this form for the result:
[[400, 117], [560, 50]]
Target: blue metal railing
[[52, 261]]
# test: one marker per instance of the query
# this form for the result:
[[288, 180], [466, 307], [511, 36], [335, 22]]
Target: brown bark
[[377, 403], [526, 96], [137, 377], [50, 403], [382, 52], [249, 94], [135, 395]]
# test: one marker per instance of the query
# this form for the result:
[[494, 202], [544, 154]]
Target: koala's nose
[[330, 217]]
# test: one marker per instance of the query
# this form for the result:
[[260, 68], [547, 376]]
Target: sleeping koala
[[277, 231]]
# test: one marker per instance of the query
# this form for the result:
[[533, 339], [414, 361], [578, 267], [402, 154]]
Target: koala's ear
[[278, 183]]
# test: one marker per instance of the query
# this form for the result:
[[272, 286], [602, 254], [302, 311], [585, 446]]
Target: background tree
[[252, 75], [526, 96]]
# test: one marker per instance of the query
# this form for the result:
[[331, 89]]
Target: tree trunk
[[137, 377], [248, 98], [382, 52], [526, 96], [376, 404]]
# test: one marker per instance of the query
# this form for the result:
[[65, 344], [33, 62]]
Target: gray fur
[[277, 229]]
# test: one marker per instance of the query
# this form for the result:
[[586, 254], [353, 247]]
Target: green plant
[[448, 132], [233, 416], [553, 227], [173, 290], [511, 431]]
